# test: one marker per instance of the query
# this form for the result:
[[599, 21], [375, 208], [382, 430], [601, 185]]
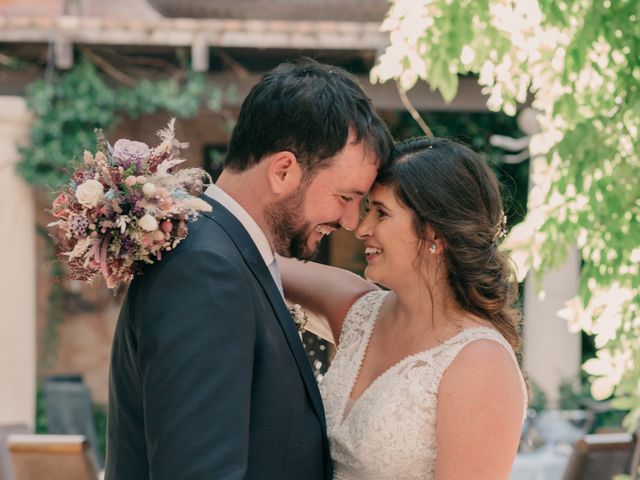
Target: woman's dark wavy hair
[[450, 188]]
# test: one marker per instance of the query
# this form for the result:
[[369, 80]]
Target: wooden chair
[[6, 469], [69, 410], [601, 456], [52, 457]]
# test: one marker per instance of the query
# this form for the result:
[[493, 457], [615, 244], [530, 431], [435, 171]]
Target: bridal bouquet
[[124, 206]]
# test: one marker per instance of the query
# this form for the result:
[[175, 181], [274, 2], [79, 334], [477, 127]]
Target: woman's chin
[[372, 275]]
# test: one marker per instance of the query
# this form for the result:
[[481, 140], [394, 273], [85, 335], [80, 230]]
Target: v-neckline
[[374, 317]]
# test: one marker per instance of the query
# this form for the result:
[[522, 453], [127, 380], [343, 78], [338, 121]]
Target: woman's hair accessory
[[501, 228]]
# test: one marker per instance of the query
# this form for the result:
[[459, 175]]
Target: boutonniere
[[299, 316]]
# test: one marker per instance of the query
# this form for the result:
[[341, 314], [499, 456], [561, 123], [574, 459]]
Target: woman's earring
[[433, 248]]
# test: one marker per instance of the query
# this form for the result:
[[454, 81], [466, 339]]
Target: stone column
[[551, 353], [18, 272]]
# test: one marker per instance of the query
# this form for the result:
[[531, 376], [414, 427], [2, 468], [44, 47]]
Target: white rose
[[149, 189], [90, 193], [148, 223]]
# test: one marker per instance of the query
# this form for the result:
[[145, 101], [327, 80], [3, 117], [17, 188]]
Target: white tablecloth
[[543, 464]]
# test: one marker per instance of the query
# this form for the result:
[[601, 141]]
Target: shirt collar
[[250, 225]]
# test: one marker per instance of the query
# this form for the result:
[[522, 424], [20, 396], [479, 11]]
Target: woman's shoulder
[[485, 366]]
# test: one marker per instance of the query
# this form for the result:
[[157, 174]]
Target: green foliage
[[539, 400], [100, 421], [68, 109], [56, 301], [572, 396], [579, 63], [66, 112], [475, 129], [42, 424]]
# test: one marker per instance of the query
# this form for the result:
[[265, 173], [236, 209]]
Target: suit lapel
[[254, 260]]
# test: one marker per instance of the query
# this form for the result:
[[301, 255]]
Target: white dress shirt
[[252, 228]]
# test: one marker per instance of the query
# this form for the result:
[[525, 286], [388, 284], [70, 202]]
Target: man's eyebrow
[[355, 192]]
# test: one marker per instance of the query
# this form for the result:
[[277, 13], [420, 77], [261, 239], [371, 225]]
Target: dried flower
[[78, 225], [90, 193], [148, 223], [129, 152], [299, 317], [58, 209], [149, 189], [145, 210]]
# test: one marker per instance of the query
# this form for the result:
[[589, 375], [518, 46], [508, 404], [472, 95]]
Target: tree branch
[[412, 110], [110, 69]]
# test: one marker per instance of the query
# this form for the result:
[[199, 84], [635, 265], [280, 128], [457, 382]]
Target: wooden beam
[[385, 96], [321, 35], [63, 52], [200, 54]]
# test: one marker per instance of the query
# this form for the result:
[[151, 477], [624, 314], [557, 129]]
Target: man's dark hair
[[306, 108]]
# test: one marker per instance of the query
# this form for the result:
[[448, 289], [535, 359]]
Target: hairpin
[[501, 231]]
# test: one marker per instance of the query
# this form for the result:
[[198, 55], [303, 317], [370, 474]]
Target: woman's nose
[[364, 229]]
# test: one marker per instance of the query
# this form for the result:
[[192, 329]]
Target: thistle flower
[[78, 225]]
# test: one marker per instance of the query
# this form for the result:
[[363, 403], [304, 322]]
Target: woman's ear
[[435, 243], [283, 172]]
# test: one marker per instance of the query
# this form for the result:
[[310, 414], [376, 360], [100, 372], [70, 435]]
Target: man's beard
[[288, 226]]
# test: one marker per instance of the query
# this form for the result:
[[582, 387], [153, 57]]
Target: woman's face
[[390, 241]]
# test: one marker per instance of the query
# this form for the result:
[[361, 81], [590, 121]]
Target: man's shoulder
[[208, 235], [206, 242]]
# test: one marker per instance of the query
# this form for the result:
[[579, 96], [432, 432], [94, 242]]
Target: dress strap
[[363, 311]]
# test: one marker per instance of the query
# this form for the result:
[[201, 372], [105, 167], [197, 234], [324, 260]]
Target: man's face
[[330, 200]]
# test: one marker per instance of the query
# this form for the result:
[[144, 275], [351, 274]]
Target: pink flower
[[166, 204], [166, 226], [88, 158], [147, 240], [59, 207]]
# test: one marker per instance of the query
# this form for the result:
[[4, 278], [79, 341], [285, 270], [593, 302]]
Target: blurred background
[[562, 142]]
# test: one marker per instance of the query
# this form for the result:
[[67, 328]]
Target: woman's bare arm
[[480, 414], [327, 291]]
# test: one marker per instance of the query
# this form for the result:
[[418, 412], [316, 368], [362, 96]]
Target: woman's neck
[[425, 309]]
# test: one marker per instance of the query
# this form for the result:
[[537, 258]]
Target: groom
[[209, 379]]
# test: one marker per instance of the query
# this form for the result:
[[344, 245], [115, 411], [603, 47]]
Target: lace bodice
[[389, 432]]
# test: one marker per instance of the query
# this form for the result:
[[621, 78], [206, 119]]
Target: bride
[[425, 383]]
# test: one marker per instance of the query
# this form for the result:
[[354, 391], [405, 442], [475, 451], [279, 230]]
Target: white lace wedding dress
[[389, 432]]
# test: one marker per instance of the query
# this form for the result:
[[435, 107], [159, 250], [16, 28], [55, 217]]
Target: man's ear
[[283, 172]]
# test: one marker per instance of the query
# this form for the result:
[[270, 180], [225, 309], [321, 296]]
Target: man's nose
[[349, 220]]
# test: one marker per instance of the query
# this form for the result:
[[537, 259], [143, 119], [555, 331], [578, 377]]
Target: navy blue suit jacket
[[208, 376]]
